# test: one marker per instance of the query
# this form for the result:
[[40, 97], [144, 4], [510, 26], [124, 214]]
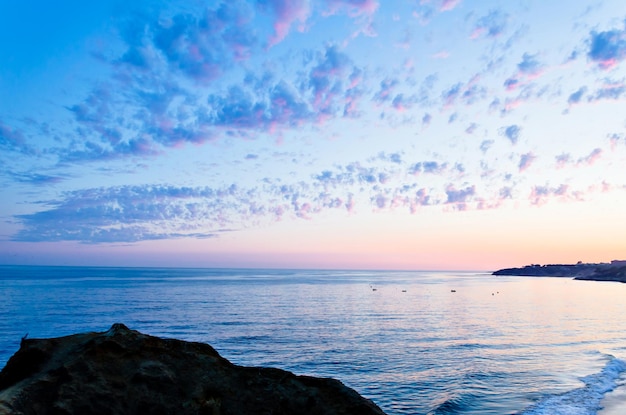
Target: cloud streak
[[12, 139], [491, 25], [126, 214]]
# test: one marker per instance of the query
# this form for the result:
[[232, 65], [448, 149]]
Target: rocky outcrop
[[123, 371], [613, 271], [550, 270], [606, 274]]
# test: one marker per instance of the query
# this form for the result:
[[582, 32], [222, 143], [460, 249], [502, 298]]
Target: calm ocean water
[[496, 345]]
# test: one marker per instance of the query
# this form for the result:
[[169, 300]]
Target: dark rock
[[122, 371], [613, 271], [616, 273]]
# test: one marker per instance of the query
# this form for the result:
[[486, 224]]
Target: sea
[[414, 342]]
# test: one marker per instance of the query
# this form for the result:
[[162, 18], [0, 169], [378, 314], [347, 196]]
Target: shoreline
[[613, 271]]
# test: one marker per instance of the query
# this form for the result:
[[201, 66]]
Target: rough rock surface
[[123, 371]]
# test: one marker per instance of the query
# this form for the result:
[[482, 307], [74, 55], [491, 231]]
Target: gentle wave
[[585, 400], [421, 343], [453, 405]]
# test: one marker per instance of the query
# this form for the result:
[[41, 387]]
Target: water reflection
[[493, 346]]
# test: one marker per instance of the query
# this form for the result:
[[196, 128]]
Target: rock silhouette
[[613, 271], [123, 371]]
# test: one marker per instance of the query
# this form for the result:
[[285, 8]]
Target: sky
[[363, 134]]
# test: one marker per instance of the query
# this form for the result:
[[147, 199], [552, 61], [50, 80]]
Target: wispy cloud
[[565, 159], [36, 179], [384, 182], [135, 213], [126, 214], [471, 128], [592, 157], [491, 25], [447, 5], [610, 89], [426, 10], [12, 139], [287, 13], [540, 195], [386, 90], [354, 8], [467, 93], [576, 97], [527, 70]]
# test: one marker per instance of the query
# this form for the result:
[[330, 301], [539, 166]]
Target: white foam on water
[[585, 400]]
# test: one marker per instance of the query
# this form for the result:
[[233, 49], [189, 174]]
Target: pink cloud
[[505, 193], [588, 160], [350, 108], [540, 195], [447, 5], [607, 63], [614, 139], [360, 10], [591, 158], [354, 7], [421, 199], [350, 204], [287, 13], [511, 103]]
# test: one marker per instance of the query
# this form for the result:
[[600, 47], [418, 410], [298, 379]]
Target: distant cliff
[[613, 271], [123, 371]]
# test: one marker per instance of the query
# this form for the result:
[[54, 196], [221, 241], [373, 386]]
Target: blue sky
[[435, 134]]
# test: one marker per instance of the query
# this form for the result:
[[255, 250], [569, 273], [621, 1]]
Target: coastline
[[612, 271]]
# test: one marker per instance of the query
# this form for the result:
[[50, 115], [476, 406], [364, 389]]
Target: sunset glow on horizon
[[430, 134]]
